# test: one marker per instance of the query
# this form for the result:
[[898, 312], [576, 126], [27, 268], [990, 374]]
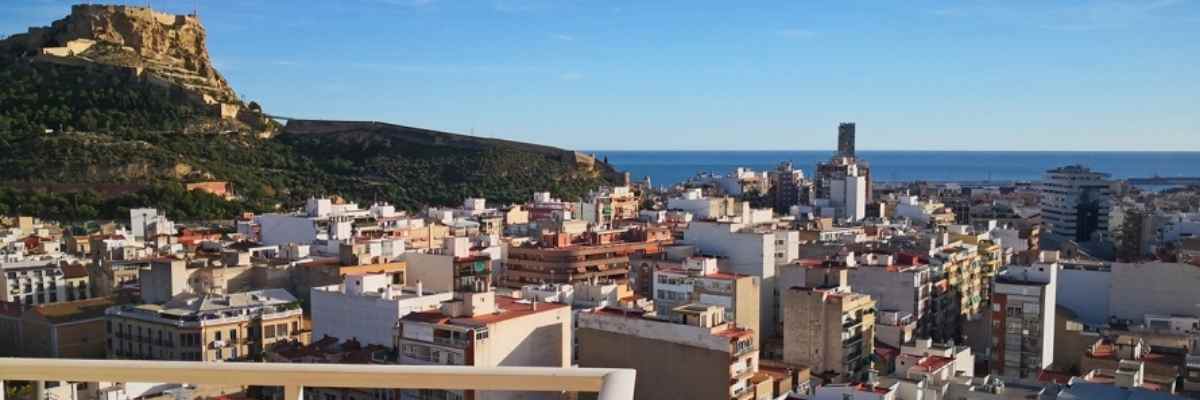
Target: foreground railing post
[[291, 392], [2, 389], [39, 390], [618, 385]]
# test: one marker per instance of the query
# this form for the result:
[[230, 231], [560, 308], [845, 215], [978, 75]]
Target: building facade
[[236, 326], [1075, 203], [1022, 318], [829, 328], [484, 330], [690, 353]]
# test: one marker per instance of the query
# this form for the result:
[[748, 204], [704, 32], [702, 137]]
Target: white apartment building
[[34, 280], [1075, 203], [367, 307], [848, 195]]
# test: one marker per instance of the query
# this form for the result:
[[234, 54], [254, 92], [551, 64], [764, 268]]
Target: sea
[[671, 167]]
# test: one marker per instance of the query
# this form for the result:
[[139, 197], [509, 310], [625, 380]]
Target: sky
[[719, 75]]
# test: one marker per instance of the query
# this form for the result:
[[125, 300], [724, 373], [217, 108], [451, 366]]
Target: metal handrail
[[612, 384]]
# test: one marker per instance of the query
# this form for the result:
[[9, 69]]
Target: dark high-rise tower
[[846, 139]]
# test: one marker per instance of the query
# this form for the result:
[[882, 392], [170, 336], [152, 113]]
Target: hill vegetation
[[67, 130]]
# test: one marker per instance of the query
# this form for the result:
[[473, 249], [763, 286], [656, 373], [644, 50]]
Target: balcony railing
[[612, 384]]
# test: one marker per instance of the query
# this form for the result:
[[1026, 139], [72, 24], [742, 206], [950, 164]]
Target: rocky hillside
[[169, 46], [116, 106], [163, 49]]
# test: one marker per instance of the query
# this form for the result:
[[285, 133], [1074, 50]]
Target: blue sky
[[649, 74]]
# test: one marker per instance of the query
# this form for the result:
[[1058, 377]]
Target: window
[[217, 335], [233, 335]]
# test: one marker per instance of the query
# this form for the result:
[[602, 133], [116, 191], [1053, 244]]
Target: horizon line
[[887, 150]]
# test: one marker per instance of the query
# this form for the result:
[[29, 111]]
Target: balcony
[[611, 384]]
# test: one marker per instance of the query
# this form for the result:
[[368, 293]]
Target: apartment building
[[1022, 318], [39, 280], [689, 353], [237, 326], [827, 327], [1075, 203], [899, 283], [754, 250], [609, 204], [366, 307], [146, 223], [560, 258], [484, 330], [790, 187], [839, 166], [703, 207], [699, 281], [924, 212]]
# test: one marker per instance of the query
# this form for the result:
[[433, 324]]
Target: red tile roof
[[934, 363], [72, 271]]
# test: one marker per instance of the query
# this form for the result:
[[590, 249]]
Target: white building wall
[[1154, 288], [369, 319], [139, 218], [894, 291], [279, 229], [1086, 292], [856, 198]]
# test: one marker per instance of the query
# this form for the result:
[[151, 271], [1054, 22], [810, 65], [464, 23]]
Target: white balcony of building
[[609, 384]]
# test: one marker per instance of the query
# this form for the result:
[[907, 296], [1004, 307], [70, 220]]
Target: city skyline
[[1083, 75]]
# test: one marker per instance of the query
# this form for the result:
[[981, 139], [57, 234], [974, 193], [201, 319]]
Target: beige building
[[236, 326], [484, 330], [691, 354], [829, 328]]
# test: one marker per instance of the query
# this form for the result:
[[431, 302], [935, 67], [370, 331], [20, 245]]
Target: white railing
[[612, 384]]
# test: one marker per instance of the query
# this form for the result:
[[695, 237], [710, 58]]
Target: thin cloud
[[570, 76], [563, 37]]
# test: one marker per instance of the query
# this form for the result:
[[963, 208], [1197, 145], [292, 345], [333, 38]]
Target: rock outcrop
[[170, 47]]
